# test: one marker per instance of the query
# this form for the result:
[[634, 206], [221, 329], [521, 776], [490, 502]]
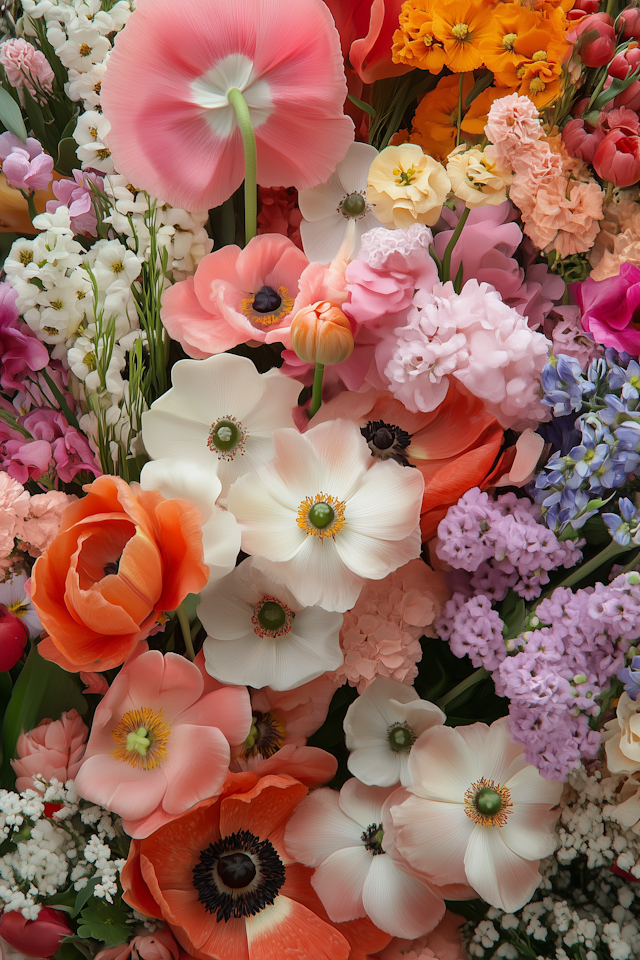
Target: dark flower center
[[267, 735], [387, 441], [372, 838], [266, 300], [238, 876]]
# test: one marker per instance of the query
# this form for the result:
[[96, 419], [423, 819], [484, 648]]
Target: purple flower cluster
[[502, 543], [473, 629]]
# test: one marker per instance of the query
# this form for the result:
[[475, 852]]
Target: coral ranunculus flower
[[221, 879], [178, 137], [122, 557]]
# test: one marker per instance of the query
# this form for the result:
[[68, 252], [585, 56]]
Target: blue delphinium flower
[[630, 676], [623, 528]]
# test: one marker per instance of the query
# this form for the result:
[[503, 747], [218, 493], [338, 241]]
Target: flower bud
[[35, 938], [582, 7], [631, 20], [624, 63], [595, 39], [320, 333], [13, 638]]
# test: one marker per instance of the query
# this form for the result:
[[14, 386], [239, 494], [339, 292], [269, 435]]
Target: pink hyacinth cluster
[[26, 66], [25, 165], [78, 197], [560, 203], [380, 636], [502, 544], [28, 523]]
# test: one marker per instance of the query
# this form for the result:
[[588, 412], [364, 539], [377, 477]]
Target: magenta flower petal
[[178, 138]]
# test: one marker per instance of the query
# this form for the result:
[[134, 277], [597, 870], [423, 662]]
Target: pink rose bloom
[[21, 353], [77, 196], [280, 213], [609, 308], [236, 296], [24, 65], [582, 141], [158, 745], [512, 125], [40, 526], [14, 505], [156, 946], [25, 165], [443, 943], [52, 749], [618, 158]]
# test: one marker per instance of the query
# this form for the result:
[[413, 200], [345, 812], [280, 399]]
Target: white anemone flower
[[329, 514], [220, 413], [14, 597], [479, 811], [342, 835], [381, 727], [187, 481], [260, 636], [330, 207]]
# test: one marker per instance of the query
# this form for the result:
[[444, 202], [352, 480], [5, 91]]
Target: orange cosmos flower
[[221, 879], [498, 49], [121, 558], [543, 49], [415, 42], [462, 25]]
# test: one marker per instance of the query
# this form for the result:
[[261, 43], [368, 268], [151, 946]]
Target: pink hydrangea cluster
[[24, 165], [28, 523], [560, 203], [478, 339], [26, 66], [78, 197], [502, 543], [380, 636]]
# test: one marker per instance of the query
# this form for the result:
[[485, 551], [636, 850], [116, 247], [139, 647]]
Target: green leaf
[[478, 87], [69, 414], [68, 950], [105, 922], [11, 115], [514, 614], [63, 900], [363, 106], [67, 157], [457, 283], [84, 895], [36, 119]]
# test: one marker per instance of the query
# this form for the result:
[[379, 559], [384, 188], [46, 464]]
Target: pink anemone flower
[[158, 745], [178, 137], [236, 296]]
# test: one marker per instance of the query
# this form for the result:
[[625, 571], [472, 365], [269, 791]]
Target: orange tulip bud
[[320, 333]]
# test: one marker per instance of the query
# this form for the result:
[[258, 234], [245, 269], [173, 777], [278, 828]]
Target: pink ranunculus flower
[[26, 66], [513, 124], [617, 159], [609, 308], [183, 60], [158, 745], [24, 165], [236, 296], [52, 749], [156, 946], [77, 196]]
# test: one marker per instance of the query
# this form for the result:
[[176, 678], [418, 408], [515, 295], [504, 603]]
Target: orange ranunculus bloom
[[462, 25], [414, 43], [475, 119], [122, 556], [221, 879], [435, 120], [510, 22]]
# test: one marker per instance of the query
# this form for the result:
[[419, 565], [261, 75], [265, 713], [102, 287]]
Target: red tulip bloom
[[366, 29], [35, 938], [13, 638], [596, 39], [618, 158]]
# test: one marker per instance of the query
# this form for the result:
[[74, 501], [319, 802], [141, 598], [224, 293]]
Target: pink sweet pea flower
[[608, 308], [76, 195], [158, 745], [52, 749], [237, 296], [179, 138], [25, 165]]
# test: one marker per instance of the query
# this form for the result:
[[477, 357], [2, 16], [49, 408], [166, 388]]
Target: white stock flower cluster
[[45, 857], [593, 918]]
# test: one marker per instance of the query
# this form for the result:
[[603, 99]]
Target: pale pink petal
[[200, 332], [397, 903], [363, 803], [442, 766], [529, 831], [339, 881], [228, 709], [399, 489], [319, 828], [129, 791], [318, 577], [345, 457], [527, 786], [501, 877], [497, 753], [310, 765], [371, 557], [433, 837], [268, 528], [196, 767]]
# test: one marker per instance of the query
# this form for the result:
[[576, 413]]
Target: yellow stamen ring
[[497, 819], [331, 529], [268, 319], [142, 737]]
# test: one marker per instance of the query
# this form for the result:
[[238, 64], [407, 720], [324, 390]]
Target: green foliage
[[105, 922], [11, 116]]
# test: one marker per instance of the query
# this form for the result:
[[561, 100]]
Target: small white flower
[[112, 262], [90, 133], [83, 48], [86, 86]]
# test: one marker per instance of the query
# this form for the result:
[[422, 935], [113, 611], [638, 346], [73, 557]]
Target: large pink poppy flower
[[173, 131]]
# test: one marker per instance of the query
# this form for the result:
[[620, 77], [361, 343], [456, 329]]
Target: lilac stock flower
[[77, 196], [24, 165], [20, 350]]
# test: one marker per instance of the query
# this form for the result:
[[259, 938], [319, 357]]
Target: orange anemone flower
[[415, 43], [221, 879], [462, 25], [121, 558]]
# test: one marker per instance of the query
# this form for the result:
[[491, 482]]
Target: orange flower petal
[[272, 933]]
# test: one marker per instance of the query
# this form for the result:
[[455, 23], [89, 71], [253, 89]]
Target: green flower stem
[[239, 104], [460, 83], [476, 677], [611, 551], [183, 620], [316, 394], [446, 258], [28, 195]]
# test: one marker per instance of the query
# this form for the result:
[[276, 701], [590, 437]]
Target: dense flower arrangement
[[319, 479]]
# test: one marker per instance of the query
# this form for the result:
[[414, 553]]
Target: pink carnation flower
[[512, 125], [179, 138], [52, 749], [380, 635], [77, 196], [158, 745], [26, 66], [25, 165], [14, 505]]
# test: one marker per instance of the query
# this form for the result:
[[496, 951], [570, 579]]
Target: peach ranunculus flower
[[406, 186], [159, 745], [477, 177], [622, 737], [123, 556], [53, 749], [159, 945]]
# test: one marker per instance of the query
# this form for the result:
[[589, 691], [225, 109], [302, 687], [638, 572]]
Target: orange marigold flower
[[414, 43], [436, 119], [462, 25], [509, 23]]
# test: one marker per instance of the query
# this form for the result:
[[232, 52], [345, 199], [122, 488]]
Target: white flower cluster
[[591, 915], [46, 858]]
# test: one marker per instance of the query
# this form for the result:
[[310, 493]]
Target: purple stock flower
[[25, 165], [20, 350], [77, 196], [630, 676]]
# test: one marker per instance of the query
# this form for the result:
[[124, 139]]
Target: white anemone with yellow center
[[328, 514], [478, 814]]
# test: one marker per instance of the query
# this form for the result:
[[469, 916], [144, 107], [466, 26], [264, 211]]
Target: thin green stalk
[[610, 552], [316, 393], [460, 82], [239, 104], [446, 259], [476, 677], [183, 620], [31, 204]]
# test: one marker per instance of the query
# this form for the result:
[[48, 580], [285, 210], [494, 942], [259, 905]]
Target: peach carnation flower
[[14, 505], [619, 239], [512, 125], [52, 749]]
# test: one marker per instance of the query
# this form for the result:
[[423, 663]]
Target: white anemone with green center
[[219, 415], [259, 635], [381, 727], [328, 514]]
